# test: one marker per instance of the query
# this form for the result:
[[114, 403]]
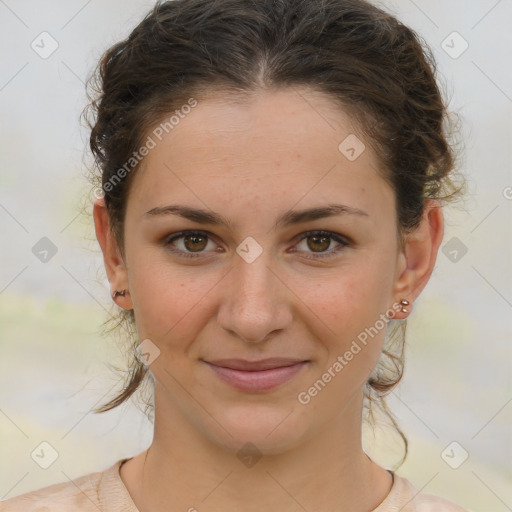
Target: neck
[[185, 470]]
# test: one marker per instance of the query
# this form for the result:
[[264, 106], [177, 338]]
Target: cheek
[[170, 302], [350, 298], [351, 331], [348, 306]]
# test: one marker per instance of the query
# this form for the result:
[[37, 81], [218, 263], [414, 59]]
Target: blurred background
[[455, 400]]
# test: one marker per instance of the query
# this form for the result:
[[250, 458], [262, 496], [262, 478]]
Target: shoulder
[[88, 493], [78, 494], [405, 497]]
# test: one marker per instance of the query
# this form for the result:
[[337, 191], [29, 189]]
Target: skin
[[250, 162]]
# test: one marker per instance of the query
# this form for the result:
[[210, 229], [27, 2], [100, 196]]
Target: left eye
[[194, 243], [321, 240]]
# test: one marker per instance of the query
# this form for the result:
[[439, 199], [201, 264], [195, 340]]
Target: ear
[[114, 263], [418, 257]]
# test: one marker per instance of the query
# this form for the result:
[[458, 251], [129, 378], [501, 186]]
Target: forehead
[[286, 145]]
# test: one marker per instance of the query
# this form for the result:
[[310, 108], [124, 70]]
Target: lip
[[260, 364], [262, 375]]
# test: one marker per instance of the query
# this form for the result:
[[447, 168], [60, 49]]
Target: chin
[[272, 430]]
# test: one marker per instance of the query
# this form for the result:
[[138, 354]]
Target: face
[[269, 282]]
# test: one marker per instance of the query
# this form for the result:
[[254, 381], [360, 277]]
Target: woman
[[272, 178]]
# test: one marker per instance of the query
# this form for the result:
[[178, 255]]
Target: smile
[[257, 380]]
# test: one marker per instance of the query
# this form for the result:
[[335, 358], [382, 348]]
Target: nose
[[255, 301]]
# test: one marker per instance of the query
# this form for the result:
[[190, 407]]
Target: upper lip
[[262, 364]]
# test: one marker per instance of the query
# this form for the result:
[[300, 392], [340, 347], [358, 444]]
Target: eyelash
[[337, 238]]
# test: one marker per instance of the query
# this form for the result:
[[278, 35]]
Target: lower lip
[[262, 380]]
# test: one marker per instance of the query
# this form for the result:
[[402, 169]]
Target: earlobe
[[418, 258], [114, 263]]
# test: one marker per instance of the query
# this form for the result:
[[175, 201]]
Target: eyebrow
[[288, 218]]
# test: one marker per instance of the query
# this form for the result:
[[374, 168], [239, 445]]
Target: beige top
[[105, 491]]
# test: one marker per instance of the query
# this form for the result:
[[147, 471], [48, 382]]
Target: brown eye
[[195, 242], [189, 244], [317, 243]]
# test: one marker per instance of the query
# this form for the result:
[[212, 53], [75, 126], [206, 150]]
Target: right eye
[[194, 243]]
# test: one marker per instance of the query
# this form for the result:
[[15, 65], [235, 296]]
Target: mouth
[[262, 375]]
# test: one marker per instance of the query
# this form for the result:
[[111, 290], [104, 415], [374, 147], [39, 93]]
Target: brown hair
[[380, 71]]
